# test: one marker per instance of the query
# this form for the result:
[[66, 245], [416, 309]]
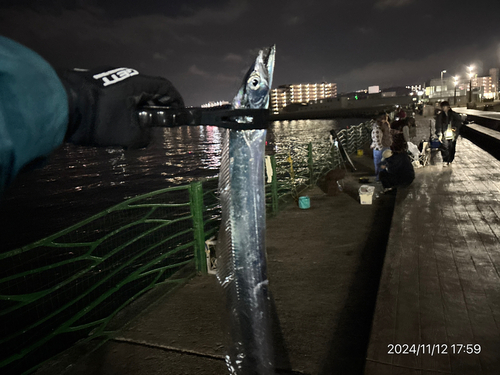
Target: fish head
[[254, 91]]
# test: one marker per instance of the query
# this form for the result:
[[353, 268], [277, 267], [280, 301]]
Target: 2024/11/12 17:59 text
[[431, 349]]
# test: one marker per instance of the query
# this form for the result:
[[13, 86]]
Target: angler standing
[[381, 141], [448, 125]]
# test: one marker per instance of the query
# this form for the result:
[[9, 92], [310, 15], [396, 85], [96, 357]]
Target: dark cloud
[[383, 4], [421, 69], [194, 70], [204, 48], [232, 57]]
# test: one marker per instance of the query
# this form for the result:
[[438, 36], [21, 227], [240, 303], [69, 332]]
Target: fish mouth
[[268, 55]]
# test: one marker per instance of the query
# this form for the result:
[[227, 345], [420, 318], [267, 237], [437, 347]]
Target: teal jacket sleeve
[[33, 109]]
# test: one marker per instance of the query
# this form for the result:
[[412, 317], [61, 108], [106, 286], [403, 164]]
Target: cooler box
[[366, 194]]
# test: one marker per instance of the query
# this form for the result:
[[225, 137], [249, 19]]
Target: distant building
[[484, 83], [482, 87], [415, 88], [495, 81], [221, 103], [489, 84], [343, 105], [376, 92], [439, 90], [396, 91], [388, 94], [300, 93]]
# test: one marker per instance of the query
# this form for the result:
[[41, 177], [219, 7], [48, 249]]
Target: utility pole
[[442, 83], [455, 81], [470, 83]]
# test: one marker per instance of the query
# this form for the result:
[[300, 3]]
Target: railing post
[[310, 163], [196, 205], [350, 142], [274, 186], [359, 139], [333, 154]]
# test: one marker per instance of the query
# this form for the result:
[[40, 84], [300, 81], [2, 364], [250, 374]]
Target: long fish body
[[241, 264]]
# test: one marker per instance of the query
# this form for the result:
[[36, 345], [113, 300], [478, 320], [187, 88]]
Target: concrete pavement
[[438, 306]]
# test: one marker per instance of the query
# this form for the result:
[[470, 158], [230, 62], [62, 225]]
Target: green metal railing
[[301, 166], [69, 286]]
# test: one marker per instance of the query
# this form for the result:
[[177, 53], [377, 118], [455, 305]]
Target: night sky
[[204, 47]]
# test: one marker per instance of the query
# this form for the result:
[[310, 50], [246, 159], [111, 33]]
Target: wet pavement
[[438, 306]]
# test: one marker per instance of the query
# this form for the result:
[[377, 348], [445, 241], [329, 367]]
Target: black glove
[[104, 103]]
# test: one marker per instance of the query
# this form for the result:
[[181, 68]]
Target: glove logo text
[[116, 75]]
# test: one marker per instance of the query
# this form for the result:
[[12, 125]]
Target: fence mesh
[[302, 165], [71, 284]]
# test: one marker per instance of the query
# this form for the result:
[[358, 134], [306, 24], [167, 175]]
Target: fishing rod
[[235, 119], [343, 153]]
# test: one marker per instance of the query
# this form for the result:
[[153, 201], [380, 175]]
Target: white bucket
[[366, 194]]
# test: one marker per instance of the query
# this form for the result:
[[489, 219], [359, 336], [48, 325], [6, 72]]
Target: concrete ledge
[[484, 137]]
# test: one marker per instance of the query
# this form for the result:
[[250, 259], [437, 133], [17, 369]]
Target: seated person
[[400, 113], [396, 170]]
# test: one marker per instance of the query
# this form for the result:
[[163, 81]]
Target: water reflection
[[78, 182], [210, 140], [118, 166]]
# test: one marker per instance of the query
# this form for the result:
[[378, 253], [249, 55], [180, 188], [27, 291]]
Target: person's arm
[[456, 123], [39, 109], [103, 105], [33, 109], [406, 133], [438, 127]]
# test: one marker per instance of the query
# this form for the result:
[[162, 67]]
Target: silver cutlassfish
[[241, 264]]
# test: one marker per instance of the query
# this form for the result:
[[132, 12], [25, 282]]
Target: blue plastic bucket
[[304, 202]]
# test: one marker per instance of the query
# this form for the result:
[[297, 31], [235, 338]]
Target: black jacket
[[442, 121], [399, 165]]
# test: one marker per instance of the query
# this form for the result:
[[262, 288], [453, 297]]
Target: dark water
[[77, 182]]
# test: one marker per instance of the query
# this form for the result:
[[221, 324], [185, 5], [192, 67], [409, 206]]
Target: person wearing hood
[[396, 170]]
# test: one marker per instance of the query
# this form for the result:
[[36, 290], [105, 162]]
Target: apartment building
[[300, 93]]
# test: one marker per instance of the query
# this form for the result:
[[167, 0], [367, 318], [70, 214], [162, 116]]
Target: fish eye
[[254, 83]]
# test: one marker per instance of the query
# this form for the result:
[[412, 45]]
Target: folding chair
[[425, 154]]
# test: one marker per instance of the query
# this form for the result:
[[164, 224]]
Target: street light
[[442, 84], [470, 82], [455, 81]]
